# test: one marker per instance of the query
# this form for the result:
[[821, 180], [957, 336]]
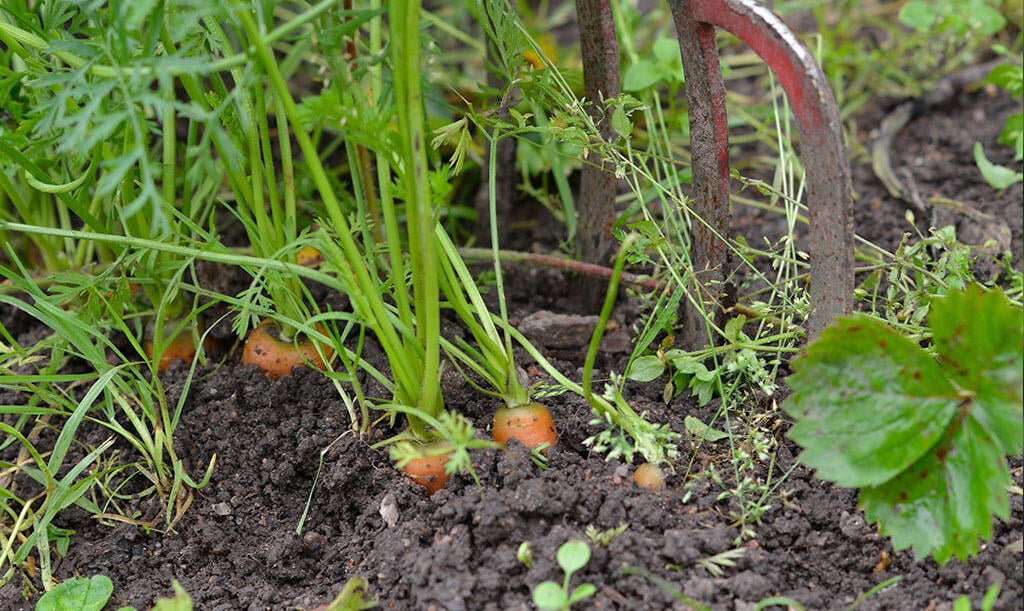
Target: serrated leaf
[[868, 403], [1010, 78], [945, 501], [979, 336], [78, 594]]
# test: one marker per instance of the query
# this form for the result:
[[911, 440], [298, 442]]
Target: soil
[[281, 443]]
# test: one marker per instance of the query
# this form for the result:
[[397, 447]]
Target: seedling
[[524, 554], [85, 594], [717, 564], [1009, 77], [963, 603], [604, 538], [572, 556]]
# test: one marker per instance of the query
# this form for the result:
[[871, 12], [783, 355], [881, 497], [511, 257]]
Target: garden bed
[[279, 443]]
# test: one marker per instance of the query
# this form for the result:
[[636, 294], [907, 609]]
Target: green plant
[[572, 556], [980, 17], [93, 143], [524, 554], [963, 603], [669, 588], [604, 538], [129, 400], [923, 433], [85, 594], [716, 565], [1009, 77], [353, 597]]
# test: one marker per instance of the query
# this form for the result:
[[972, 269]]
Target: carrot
[[309, 257], [181, 348], [428, 471], [277, 357], [650, 476], [530, 424]]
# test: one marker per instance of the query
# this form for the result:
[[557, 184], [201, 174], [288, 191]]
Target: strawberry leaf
[[945, 501], [924, 438], [868, 403], [980, 340]]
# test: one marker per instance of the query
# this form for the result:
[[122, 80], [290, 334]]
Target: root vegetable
[[275, 356], [530, 424], [181, 348], [428, 471], [650, 476], [309, 257]]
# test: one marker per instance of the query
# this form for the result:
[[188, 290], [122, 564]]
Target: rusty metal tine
[[600, 54], [709, 148], [829, 191]]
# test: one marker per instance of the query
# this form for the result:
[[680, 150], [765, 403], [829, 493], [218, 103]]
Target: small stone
[[389, 510], [553, 330], [221, 509]]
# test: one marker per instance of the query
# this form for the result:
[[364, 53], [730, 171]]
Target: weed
[[604, 538], [717, 564], [1009, 77], [86, 594], [524, 554], [572, 556]]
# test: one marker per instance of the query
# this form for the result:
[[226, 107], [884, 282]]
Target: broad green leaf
[[988, 21], [945, 501], [997, 176], [78, 594], [667, 51], [979, 336], [573, 555], [918, 14], [698, 429], [549, 595], [641, 75], [646, 368], [582, 592], [621, 123], [868, 403]]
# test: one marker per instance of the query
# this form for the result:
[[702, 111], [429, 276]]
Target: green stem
[[405, 53], [368, 301], [606, 312]]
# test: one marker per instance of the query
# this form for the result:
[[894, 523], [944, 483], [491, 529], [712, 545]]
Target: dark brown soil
[[238, 548]]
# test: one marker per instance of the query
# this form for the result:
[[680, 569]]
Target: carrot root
[[650, 476], [276, 357], [530, 424], [428, 471]]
